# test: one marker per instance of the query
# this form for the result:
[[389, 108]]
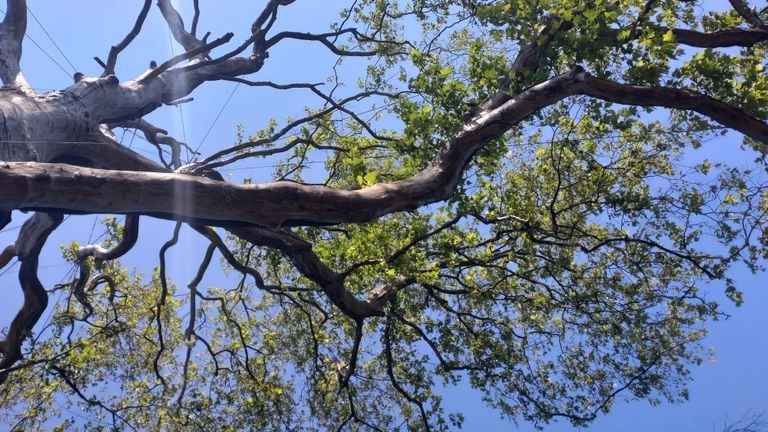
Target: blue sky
[[735, 381]]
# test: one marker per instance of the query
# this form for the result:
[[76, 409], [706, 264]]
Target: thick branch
[[720, 112], [720, 39], [749, 15], [185, 56], [34, 232], [133, 99], [176, 25], [130, 235], [5, 218], [12, 31], [45, 186]]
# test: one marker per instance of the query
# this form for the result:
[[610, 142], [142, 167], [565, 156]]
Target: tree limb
[[157, 136], [749, 15], [176, 25], [12, 31], [109, 67], [35, 232], [40, 186], [721, 38]]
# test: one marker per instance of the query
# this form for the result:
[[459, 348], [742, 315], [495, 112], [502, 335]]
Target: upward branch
[[12, 31]]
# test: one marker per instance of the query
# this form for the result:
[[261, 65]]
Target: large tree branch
[[45, 186], [176, 25], [720, 39], [31, 240], [110, 102], [749, 15], [12, 31]]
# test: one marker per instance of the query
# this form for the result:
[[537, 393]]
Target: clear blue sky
[[734, 382]]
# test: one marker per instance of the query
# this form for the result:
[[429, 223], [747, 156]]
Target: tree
[[748, 422], [511, 199]]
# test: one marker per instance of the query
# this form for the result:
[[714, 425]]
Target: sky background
[[65, 36]]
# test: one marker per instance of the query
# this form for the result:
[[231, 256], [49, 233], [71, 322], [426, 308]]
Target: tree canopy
[[510, 196]]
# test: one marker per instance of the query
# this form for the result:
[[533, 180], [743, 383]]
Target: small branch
[[161, 302], [158, 136], [109, 67], [196, 17], [400, 252], [210, 161], [722, 38], [184, 56], [391, 374], [189, 334], [83, 281], [352, 364], [211, 235], [90, 401]]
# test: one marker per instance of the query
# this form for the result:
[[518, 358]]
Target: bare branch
[[750, 421], [722, 38], [157, 136], [176, 25], [109, 67], [324, 39], [32, 237], [161, 302], [130, 235], [83, 282], [189, 333], [184, 56], [269, 10], [349, 370], [12, 31], [196, 17], [7, 255]]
